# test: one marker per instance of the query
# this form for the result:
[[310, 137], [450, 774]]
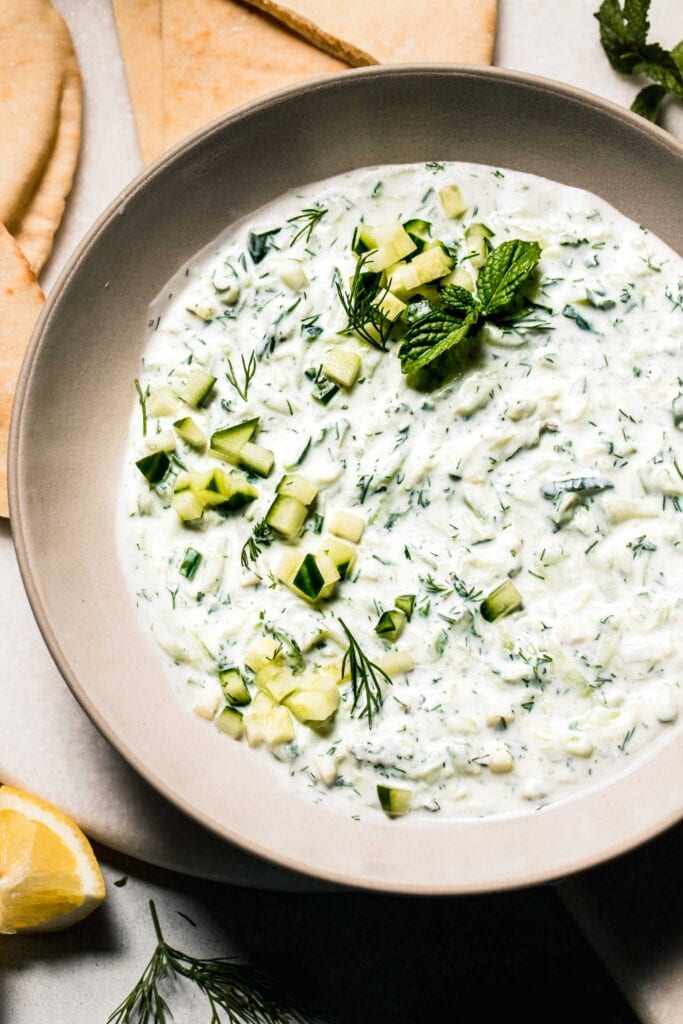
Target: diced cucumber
[[264, 651], [229, 441], [390, 306], [325, 389], [452, 201], [308, 579], [288, 566], [461, 277], [154, 467], [187, 505], [278, 682], [256, 459], [230, 722], [226, 284], [203, 308], [390, 243], [428, 266], [676, 410], [342, 365], [311, 705], [391, 624], [187, 429], [397, 663], [191, 561], [262, 704], [476, 236], [346, 525], [296, 486], [225, 492], [406, 604], [278, 727], [286, 516], [503, 600], [164, 441], [197, 388], [420, 231], [253, 728], [234, 687], [394, 801], [341, 554], [162, 403], [293, 275]]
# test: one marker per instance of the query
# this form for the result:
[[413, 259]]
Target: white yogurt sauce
[[495, 717]]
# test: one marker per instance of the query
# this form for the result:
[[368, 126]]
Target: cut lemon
[[49, 877]]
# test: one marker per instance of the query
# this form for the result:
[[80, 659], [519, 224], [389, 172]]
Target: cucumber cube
[[406, 604], [308, 579], [391, 624], [230, 722], [503, 600], [342, 365], [390, 306], [341, 554], [256, 459], [187, 429], [278, 727], [452, 201], [397, 663], [162, 403], [296, 486], [187, 505], [263, 652], [228, 442], [286, 516], [154, 467], [164, 441], [461, 277], [346, 525], [476, 236], [293, 275], [197, 388], [311, 705], [394, 801], [234, 687]]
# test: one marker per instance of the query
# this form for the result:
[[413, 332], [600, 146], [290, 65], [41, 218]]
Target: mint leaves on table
[[450, 326], [623, 34]]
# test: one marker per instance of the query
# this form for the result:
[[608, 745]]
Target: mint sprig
[[450, 327], [623, 33]]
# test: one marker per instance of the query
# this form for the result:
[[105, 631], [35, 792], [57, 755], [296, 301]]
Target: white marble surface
[[46, 742]]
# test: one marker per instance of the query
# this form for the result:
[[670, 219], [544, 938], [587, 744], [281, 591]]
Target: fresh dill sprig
[[142, 395], [361, 306], [227, 985], [261, 536], [249, 371], [308, 219], [366, 678]]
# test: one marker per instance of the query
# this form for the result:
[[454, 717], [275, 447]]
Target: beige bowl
[[71, 420]]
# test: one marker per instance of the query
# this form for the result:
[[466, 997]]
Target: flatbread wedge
[[139, 26], [393, 31], [20, 303], [35, 49], [218, 54], [36, 230]]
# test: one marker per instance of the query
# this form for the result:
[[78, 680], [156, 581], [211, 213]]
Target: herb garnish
[[227, 985], [261, 536], [260, 245], [308, 218], [249, 371], [361, 306], [451, 326], [366, 678], [623, 34], [142, 395]]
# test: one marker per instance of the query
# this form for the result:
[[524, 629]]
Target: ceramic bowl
[[71, 420]]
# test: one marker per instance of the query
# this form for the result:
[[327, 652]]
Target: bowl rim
[[29, 571]]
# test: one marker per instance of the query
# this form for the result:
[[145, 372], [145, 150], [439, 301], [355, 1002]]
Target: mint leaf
[[648, 101], [456, 300], [434, 335], [507, 268], [623, 34]]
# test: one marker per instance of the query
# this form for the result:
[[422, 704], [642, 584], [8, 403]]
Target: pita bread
[[218, 54], [20, 303], [35, 48], [393, 31], [139, 27], [40, 220]]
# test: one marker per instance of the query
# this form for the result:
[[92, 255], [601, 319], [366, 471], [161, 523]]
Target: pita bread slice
[[139, 27], [40, 220], [20, 303], [35, 47], [393, 31], [218, 54]]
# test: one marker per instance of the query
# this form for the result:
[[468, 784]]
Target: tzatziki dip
[[402, 501]]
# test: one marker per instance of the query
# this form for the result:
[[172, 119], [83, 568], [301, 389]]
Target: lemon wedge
[[49, 877]]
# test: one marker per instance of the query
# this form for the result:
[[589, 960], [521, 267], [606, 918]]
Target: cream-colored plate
[[70, 427]]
